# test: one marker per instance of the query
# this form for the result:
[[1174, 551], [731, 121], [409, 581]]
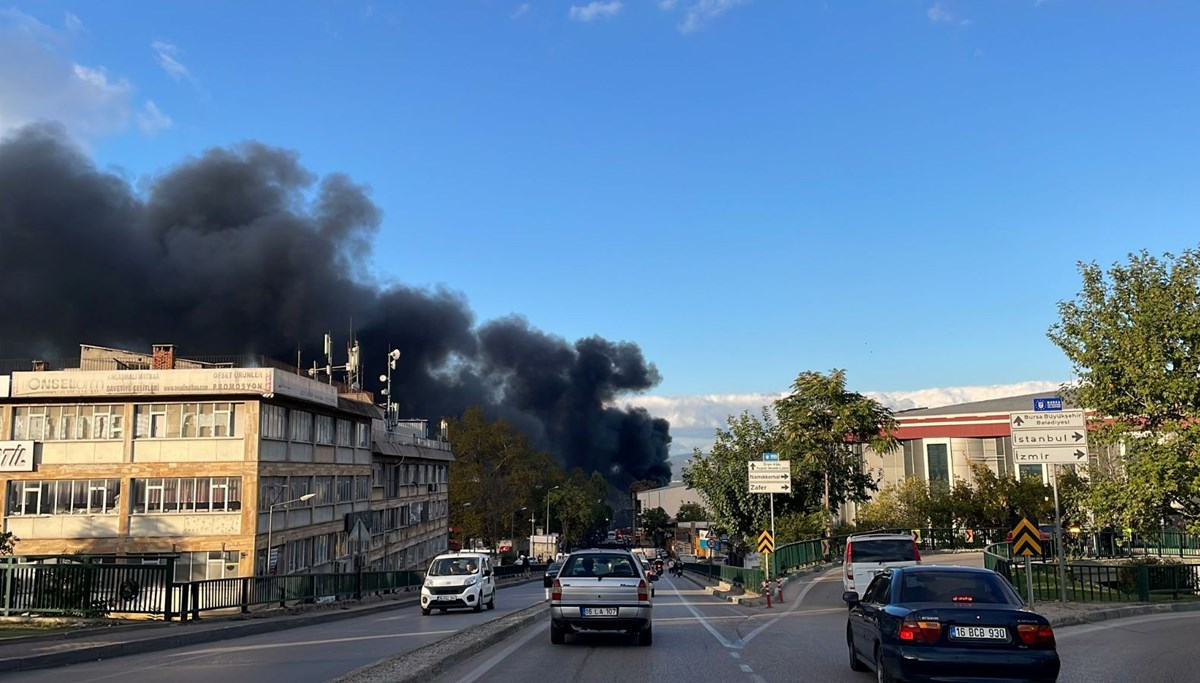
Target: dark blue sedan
[[931, 623]]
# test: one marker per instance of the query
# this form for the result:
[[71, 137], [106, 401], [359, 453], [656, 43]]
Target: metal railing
[[246, 592], [74, 587]]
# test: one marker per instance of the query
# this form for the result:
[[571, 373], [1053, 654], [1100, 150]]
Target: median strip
[[429, 661]]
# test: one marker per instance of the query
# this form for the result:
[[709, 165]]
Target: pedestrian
[[525, 564]]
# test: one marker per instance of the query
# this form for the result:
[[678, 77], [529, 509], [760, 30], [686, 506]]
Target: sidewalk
[[105, 642]]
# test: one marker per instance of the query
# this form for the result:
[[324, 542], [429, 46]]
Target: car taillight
[[556, 590], [643, 591], [920, 630], [1036, 634], [849, 560], [916, 551]]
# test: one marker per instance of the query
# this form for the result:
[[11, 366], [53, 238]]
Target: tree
[[8, 542], [657, 525], [1133, 338], [691, 512], [824, 426], [899, 505]]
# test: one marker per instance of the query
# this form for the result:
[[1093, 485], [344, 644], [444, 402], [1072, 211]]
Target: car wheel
[[881, 673], [478, 604], [646, 637], [424, 611], [855, 663], [557, 637], [492, 602]]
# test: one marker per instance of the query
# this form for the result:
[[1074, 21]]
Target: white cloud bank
[[595, 10], [40, 82]]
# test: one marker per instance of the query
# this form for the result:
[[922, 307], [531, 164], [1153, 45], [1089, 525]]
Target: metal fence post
[[183, 600], [245, 596], [1143, 583], [9, 570], [195, 586]]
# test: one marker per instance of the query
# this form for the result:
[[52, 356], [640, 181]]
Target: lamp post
[[271, 519]]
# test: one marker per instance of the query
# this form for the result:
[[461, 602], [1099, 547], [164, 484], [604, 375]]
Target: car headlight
[[472, 581]]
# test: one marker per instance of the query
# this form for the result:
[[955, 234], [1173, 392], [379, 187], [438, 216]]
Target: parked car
[[551, 572], [456, 580], [919, 623], [601, 590], [869, 554]]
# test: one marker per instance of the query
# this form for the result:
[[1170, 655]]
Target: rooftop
[[992, 406]]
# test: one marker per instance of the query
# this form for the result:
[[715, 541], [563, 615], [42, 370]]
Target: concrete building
[[941, 444], [130, 454], [669, 498]]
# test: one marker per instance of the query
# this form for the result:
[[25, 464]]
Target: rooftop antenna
[[390, 407]]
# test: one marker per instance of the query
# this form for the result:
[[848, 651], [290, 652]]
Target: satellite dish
[[395, 354], [383, 378]]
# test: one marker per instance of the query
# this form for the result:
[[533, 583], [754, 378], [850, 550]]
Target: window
[[188, 495], [345, 489], [302, 426], [325, 491], [878, 591], [274, 422], [362, 488], [68, 423], [64, 497], [1024, 471], [345, 433], [364, 435], [956, 587], [937, 463], [324, 429], [187, 420], [206, 564]]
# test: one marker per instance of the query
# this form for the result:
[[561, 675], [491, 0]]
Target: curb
[[1123, 612], [751, 599], [237, 627], [429, 661]]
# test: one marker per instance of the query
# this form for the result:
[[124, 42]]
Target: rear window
[[597, 564], [955, 587], [883, 550]]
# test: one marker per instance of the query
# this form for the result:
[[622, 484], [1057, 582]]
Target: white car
[[870, 554], [458, 580]]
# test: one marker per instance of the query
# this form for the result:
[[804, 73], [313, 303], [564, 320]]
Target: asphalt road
[[310, 654], [698, 638]]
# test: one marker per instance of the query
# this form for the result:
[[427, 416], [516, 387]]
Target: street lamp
[[271, 518]]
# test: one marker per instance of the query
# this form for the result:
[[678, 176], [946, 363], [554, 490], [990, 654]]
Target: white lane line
[[796, 602], [735, 655], [704, 622], [304, 643], [746, 669], [1070, 631], [500, 656], [758, 679]]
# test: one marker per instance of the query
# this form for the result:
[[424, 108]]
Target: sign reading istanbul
[[207, 381], [16, 456]]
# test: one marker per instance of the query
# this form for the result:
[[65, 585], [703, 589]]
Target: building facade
[[134, 454], [669, 498]]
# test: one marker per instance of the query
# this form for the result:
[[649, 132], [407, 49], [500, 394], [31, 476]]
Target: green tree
[[8, 542], [691, 512], [1133, 337], [899, 505], [657, 525], [824, 427]]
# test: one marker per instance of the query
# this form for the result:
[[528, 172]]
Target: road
[[699, 638], [303, 655]]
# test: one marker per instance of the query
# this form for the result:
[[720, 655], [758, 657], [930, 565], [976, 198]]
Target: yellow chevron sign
[[766, 542], [1026, 538]]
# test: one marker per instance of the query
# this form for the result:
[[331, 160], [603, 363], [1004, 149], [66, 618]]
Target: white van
[[870, 554], [459, 580]]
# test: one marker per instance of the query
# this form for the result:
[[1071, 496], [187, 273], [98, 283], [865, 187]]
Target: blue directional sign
[[1041, 404], [770, 457]]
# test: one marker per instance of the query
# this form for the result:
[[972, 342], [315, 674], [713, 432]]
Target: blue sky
[[747, 189]]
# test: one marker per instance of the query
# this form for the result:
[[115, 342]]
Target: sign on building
[[16, 456]]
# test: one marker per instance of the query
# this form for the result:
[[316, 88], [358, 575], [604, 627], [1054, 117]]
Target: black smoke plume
[[242, 250]]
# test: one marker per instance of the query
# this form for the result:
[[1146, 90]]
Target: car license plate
[[599, 611], [446, 598], [979, 632]]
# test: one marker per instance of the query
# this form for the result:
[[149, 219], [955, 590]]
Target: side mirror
[[487, 572], [850, 598]]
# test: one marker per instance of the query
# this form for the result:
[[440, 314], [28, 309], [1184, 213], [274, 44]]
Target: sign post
[[770, 475], [1027, 541], [1051, 436]]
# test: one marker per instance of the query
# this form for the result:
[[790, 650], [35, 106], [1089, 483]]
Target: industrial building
[[212, 462]]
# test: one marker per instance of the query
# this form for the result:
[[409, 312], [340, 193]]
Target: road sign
[[1027, 539], [1047, 404], [768, 466], [769, 476], [766, 542], [1058, 437], [770, 457], [777, 487]]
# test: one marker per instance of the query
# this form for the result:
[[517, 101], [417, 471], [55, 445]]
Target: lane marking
[[305, 643], [758, 679], [796, 602], [1082, 629], [735, 655], [504, 654], [704, 622], [746, 669]]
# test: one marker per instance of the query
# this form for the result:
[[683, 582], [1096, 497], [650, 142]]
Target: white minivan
[[459, 580], [870, 554]]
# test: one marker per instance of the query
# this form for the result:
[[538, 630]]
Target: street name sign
[[1051, 437], [769, 477]]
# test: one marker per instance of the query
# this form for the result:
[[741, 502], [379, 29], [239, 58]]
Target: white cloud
[[595, 10], [939, 15], [667, 4], [704, 11], [166, 54], [40, 82], [521, 10], [694, 419], [151, 120]]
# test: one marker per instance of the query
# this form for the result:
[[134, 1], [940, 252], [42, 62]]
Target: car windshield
[[955, 587], [554, 566], [883, 550], [599, 565], [454, 566]]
